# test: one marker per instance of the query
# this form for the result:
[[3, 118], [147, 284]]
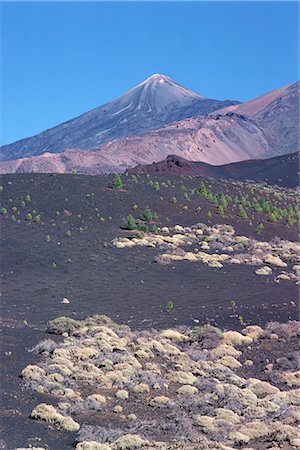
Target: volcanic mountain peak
[[156, 94], [149, 106]]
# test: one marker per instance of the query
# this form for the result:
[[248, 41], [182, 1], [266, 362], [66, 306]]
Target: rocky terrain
[[158, 118], [185, 388], [200, 279]]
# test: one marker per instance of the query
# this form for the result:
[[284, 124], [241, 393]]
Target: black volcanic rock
[[150, 105]]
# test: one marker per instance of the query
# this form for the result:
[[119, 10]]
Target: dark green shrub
[[260, 228], [186, 197], [144, 227], [117, 184], [242, 212], [220, 210], [147, 214], [130, 222], [154, 228], [202, 189], [169, 306]]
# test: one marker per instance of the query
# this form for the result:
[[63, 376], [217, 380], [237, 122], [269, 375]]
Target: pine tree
[[130, 222], [242, 212], [117, 182], [202, 189], [148, 215]]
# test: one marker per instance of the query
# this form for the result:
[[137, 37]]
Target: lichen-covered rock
[[174, 335], [141, 388], [48, 413], [261, 388], [206, 423], [274, 260], [129, 441], [230, 361], [226, 350], [236, 338], [291, 378], [160, 400], [33, 372], [92, 445], [228, 415], [118, 409], [182, 377], [264, 271], [95, 401], [187, 390], [253, 331], [122, 394]]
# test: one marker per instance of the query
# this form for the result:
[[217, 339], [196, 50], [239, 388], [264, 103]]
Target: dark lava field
[[57, 235]]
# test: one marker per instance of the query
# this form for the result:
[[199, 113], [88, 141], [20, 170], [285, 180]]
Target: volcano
[[150, 105]]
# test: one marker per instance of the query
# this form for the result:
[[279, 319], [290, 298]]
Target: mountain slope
[[150, 105], [281, 170], [215, 140], [277, 112]]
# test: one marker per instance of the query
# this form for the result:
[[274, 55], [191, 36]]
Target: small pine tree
[[174, 200], [202, 190], [260, 228], [187, 197], [130, 222], [272, 217], [117, 182], [209, 216], [144, 227], [148, 215], [242, 212], [154, 228], [221, 210]]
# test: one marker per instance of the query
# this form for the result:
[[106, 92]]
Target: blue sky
[[61, 59]]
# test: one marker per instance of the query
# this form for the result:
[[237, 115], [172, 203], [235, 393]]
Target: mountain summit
[[156, 94], [150, 105]]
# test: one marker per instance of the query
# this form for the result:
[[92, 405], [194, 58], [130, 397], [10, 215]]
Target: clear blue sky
[[61, 59]]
